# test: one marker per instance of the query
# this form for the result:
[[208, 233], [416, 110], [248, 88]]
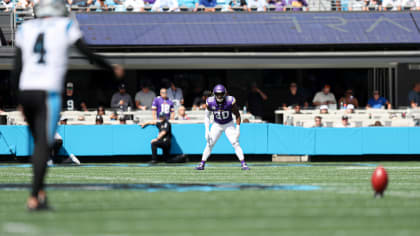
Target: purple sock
[[203, 163], [243, 163]]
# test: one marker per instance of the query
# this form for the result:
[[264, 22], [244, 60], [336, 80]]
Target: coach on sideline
[[163, 139]]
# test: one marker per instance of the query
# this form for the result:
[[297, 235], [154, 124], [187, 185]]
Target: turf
[[344, 204]]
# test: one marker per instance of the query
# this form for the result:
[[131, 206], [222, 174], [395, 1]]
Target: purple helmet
[[219, 92]]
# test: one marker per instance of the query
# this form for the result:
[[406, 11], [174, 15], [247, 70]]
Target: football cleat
[[200, 167], [245, 167]]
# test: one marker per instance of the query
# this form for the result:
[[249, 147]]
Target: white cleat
[[74, 159]]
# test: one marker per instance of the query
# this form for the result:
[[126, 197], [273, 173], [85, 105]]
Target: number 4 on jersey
[[39, 48]]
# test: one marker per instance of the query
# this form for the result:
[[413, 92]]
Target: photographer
[[163, 139]]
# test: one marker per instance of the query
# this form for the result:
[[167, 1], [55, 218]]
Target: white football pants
[[230, 131]]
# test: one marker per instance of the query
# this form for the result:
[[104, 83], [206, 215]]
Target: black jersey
[[165, 126]]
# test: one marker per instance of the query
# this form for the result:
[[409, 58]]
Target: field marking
[[374, 167], [19, 228]]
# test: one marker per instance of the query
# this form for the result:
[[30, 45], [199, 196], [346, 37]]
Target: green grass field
[[344, 204]]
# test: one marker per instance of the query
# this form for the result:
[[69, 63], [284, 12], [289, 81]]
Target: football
[[379, 181]]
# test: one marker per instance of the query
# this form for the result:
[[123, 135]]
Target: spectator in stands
[[318, 122], [175, 94], [112, 3], [344, 122], [256, 99], [199, 103], [163, 104], [99, 120], [162, 5], [144, 98], [209, 5], [134, 5], [294, 97], [391, 5], [409, 4], [378, 102], [377, 123], [323, 109], [357, 5], [297, 110], [71, 102], [350, 109], [9, 4], [294, 5], [25, 4], [63, 121], [80, 3], [347, 99], [257, 5], [414, 96], [113, 116], [237, 4], [181, 114], [325, 97], [122, 120], [100, 111], [121, 100]]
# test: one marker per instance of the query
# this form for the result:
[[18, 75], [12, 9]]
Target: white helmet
[[46, 8]]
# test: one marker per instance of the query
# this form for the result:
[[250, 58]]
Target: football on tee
[[379, 180]]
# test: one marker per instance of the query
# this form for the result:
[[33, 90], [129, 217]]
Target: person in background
[[199, 103], [159, 5], [163, 139], [63, 121], [378, 102], [294, 97], [9, 4], [344, 122], [318, 122], [181, 114], [208, 4], [113, 116], [163, 104], [135, 5], [239, 4], [100, 111], [297, 110], [348, 99], [259, 5], [376, 124], [71, 102], [294, 5], [175, 94], [350, 109], [122, 120], [325, 97], [323, 109], [256, 100], [144, 98], [121, 100], [99, 120], [414, 96]]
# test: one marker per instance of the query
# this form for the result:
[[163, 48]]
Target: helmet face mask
[[219, 92]]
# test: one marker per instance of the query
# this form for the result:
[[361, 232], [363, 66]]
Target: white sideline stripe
[[374, 167], [19, 228]]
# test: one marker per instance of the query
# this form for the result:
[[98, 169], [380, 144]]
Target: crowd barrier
[[116, 140]]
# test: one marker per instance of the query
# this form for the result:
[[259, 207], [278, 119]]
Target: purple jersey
[[222, 112], [163, 105]]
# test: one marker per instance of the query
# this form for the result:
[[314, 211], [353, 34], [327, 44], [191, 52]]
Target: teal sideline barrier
[[114, 140]]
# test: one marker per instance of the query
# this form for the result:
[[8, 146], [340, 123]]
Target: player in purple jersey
[[222, 107], [163, 104]]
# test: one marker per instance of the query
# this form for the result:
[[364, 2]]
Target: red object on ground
[[379, 180]]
